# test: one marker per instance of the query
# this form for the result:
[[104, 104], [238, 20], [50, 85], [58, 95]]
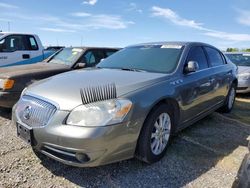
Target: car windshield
[[240, 59], [150, 58], [67, 56]]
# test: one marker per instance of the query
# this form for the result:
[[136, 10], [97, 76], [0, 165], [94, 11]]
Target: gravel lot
[[207, 154]]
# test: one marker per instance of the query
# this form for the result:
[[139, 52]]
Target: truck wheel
[[155, 135], [228, 106]]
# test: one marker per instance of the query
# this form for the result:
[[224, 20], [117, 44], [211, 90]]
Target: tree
[[232, 49]]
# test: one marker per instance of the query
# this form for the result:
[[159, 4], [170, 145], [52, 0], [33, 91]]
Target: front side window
[[240, 59], [93, 57], [197, 54], [151, 58], [13, 43], [90, 58], [68, 56], [214, 56]]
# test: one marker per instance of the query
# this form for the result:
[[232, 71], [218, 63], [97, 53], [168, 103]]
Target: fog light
[[83, 158]]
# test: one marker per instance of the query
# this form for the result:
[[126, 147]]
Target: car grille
[[34, 112]]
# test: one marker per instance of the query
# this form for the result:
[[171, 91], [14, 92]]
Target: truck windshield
[[240, 59], [149, 58], [67, 56]]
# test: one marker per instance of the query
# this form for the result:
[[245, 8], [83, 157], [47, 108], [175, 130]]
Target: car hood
[[243, 69], [34, 69], [64, 89]]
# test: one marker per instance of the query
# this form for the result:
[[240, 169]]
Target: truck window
[[32, 44], [12, 43]]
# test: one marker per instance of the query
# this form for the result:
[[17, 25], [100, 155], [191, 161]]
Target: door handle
[[211, 80], [229, 73], [26, 56]]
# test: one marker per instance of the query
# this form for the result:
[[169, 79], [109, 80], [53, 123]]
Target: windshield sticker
[[246, 55], [171, 46], [76, 50]]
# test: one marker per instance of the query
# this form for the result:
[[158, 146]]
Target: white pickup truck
[[20, 49]]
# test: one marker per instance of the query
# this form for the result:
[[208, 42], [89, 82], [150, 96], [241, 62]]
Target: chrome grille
[[34, 112]]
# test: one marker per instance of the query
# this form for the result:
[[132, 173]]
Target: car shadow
[[192, 153], [5, 113]]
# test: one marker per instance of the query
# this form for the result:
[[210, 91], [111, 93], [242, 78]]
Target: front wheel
[[228, 106], [155, 135]]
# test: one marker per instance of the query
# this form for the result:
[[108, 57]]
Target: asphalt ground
[[207, 154]]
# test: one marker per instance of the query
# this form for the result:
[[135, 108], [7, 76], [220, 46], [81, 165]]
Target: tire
[[154, 137], [229, 103]]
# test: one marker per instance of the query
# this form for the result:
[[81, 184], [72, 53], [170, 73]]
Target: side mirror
[[191, 66], [80, 65]]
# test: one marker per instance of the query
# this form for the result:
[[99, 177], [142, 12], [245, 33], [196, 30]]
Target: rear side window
[[197, 54], [32, 44], [214, 56]]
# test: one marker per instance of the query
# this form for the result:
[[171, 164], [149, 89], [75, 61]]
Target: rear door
[[196, 90], [222, 74]]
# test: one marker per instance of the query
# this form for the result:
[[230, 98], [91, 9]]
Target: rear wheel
[[228, 106], [155, 135]]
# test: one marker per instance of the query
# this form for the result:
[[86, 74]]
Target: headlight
[[6, 83], [23, 92], [244, 76], [100, 113]]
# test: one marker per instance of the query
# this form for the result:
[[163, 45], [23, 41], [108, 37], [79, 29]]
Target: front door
[[195, 92]]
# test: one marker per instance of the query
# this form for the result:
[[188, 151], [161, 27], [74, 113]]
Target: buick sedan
[[130, 105]]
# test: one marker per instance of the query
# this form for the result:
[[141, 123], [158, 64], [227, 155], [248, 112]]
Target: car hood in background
[[31, 69], [243, 69], [64, 89]]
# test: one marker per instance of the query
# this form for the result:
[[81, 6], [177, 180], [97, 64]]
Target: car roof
[[91, 47], [236, 52], [179, 43], [16, 33]]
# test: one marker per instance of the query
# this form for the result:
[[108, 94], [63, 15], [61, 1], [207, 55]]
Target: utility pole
[[8, 26], [81, 40]]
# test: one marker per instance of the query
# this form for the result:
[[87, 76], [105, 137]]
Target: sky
[[119, 23]]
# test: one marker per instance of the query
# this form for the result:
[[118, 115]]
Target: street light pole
[[8, 26]]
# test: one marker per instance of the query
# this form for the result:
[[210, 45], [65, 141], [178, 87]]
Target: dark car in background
[[14, 79], [129, 105], [242, 60], [243, 176], [55, 48]]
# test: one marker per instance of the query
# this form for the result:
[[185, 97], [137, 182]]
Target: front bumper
[[8, 99], [243, 86], [84, 146]]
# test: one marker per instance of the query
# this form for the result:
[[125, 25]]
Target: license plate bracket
[[25, 133]]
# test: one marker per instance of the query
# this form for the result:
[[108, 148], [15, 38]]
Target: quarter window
[[197, 54], [214, 56]]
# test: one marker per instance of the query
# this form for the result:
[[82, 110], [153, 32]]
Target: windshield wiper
[[134, 70]]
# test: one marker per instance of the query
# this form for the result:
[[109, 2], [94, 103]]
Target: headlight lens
[[100, 113], [244, 76], [6, 83]]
